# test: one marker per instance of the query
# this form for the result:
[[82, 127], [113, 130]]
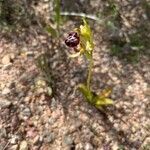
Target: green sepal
[[86, 31], [102, 101], [88, 55], [51, 30], [93, 98], [86, 92]]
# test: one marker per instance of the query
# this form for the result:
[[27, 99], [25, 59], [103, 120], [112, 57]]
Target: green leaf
[[42, 64], [51, 30], [102, 99], [86, 92], [99, 101], [93, 98], [57, 13]]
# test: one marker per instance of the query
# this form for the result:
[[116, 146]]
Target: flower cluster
[[81, 40]]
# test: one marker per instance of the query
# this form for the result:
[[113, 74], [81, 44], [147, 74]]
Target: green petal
[[85, 30], [103, 101], [89, 46], [74, 55]]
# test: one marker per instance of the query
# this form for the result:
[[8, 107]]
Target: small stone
[[36, 140], [6, 60], [41, 139], [14, 122], [3, 133], [49, 91], [14, 147], [12, 56], [68, 140], [88, 146], [75, 126], [14, 139], [6, 91], [7, 67], [84, 117], [34, 43], [79, 146], [146, 143], [29, 54], [51, 121], [115, 146], [88, 134], [4, 103], [40, 90], [31, 133], [11, 85], [25, 114], [40, 83], [23, 145], [49, 137], [53, 103]]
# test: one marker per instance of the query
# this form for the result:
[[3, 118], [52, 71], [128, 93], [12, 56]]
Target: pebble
[[23, 145], [7, 67], [88, 134], [49, 137], [6, 91], [88, 146], [25, 114], [36, 140], [14, 139], [11, 85], [68, 140], [49, 91], [4, 103], [14, 147], [31, 133], [51, 121], [79, 146], [84, 117], [6, 60], [46, 0], [75, 126], [40, 83], [54, 103], [3, 133], [29, 54], [14, 122]]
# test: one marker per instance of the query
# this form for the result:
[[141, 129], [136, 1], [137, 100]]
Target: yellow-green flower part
[[85, 30], [86, 37]]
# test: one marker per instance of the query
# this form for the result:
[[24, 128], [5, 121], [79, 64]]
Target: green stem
[[58, 16], [89, 72]]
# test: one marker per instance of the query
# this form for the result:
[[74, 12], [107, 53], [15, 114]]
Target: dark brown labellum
[[72, 40]]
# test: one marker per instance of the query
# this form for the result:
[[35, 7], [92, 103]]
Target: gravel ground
[[36, 116]]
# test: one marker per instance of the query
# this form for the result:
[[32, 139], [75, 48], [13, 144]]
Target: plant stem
[[57, 15], [80, 15], [92, 17], [89, 72]]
